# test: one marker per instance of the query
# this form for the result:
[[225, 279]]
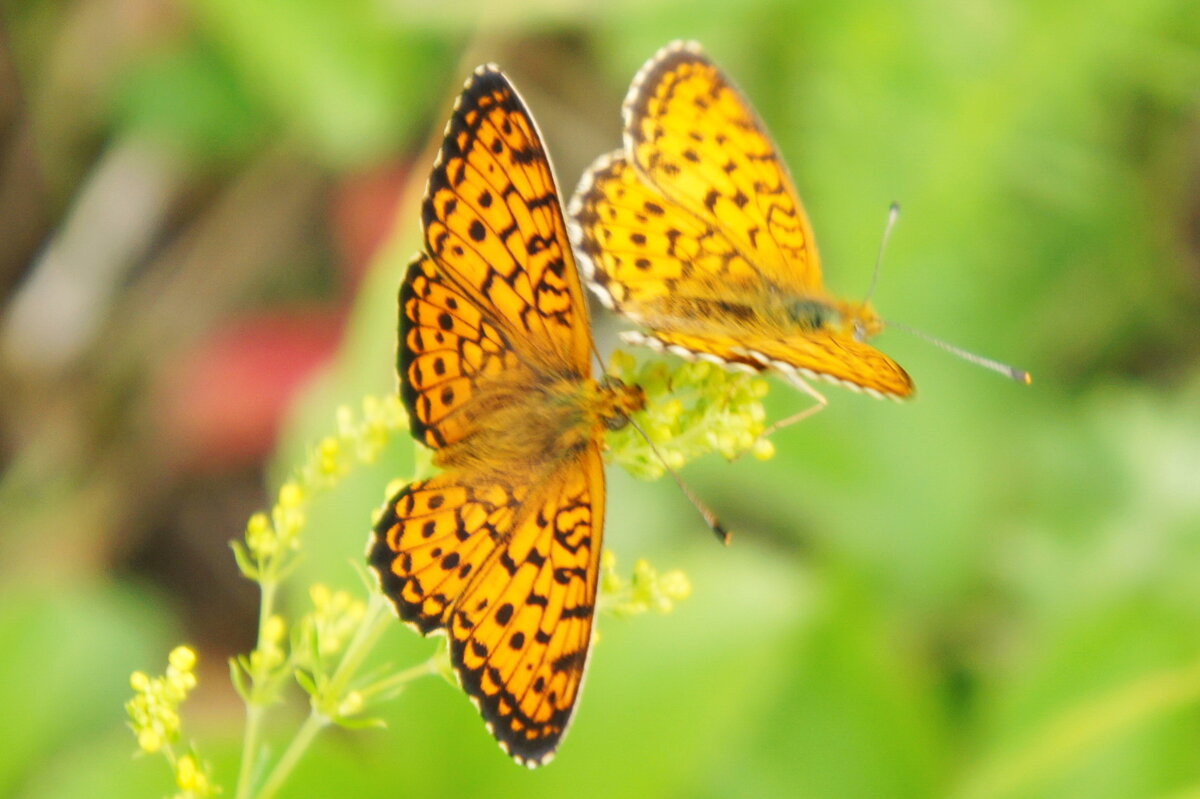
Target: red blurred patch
[[221, 404], [364, 213]]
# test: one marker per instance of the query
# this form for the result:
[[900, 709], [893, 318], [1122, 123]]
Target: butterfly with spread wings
[[695, 231], [501, 550]]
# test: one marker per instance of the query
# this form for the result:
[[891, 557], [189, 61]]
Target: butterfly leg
[[800, 383]]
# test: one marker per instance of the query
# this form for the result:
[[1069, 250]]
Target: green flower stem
[[254, 708], [254, 716], [296, 749], [430, 667], [369, 630], [325, 706]]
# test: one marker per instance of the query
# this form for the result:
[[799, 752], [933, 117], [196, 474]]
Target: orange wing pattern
[[501, 550], [695, 231], [446, 348], [691, 134], [492, 218], [640, 251], [510, 572]]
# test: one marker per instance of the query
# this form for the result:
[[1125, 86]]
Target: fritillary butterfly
[[501, 550], [695, 231]]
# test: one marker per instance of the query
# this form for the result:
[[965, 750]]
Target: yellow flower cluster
[[358, 440], [270, 653], [646, 589], [154, 716], [192, 779], [691, 410], [336, 617], [272, 537], [154, 709]]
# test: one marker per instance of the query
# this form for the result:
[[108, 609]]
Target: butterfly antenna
[[1019, 375], [893, 216], [709, 517]]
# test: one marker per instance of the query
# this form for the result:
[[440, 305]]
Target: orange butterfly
[[695, 231], [501, 550]]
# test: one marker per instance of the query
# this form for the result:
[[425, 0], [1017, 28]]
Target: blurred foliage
[[989, 593]]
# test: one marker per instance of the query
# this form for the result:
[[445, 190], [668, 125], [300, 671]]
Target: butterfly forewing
[[446, 348], [692, 135], [492, 219]]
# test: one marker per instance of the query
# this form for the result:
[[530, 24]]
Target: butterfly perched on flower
[[695, 231], [501, 550]]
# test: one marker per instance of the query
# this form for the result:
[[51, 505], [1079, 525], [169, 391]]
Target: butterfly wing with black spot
[[501, 550], [521, 633], [643, 255], [511, 574], [493, 222], [433, 538], [693, 136], [447, 349]]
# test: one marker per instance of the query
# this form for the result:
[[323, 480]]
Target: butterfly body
[[500, 551], [695, 231]]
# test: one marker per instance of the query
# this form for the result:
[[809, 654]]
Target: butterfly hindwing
[[433, 538], [511, 575], [636, 253], [521, 633]]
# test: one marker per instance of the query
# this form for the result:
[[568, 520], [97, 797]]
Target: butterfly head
[[856, 320], [617, 401], [861, 321]]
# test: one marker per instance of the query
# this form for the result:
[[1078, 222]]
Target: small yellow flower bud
[[260, 536], [139, 681], [622, 362], [345, 419], [182, 658], [352, 704], [275, 629], [764, 449], [327, 456], [185, 771], [291, 495], [149, 740], [675, 585], [179, 683]]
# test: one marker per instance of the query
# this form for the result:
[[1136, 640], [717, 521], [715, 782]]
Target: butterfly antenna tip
[[719, 530], [892, 218], [1011, 372]]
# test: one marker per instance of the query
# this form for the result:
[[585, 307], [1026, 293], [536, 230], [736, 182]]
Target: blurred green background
[[990, 592]]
